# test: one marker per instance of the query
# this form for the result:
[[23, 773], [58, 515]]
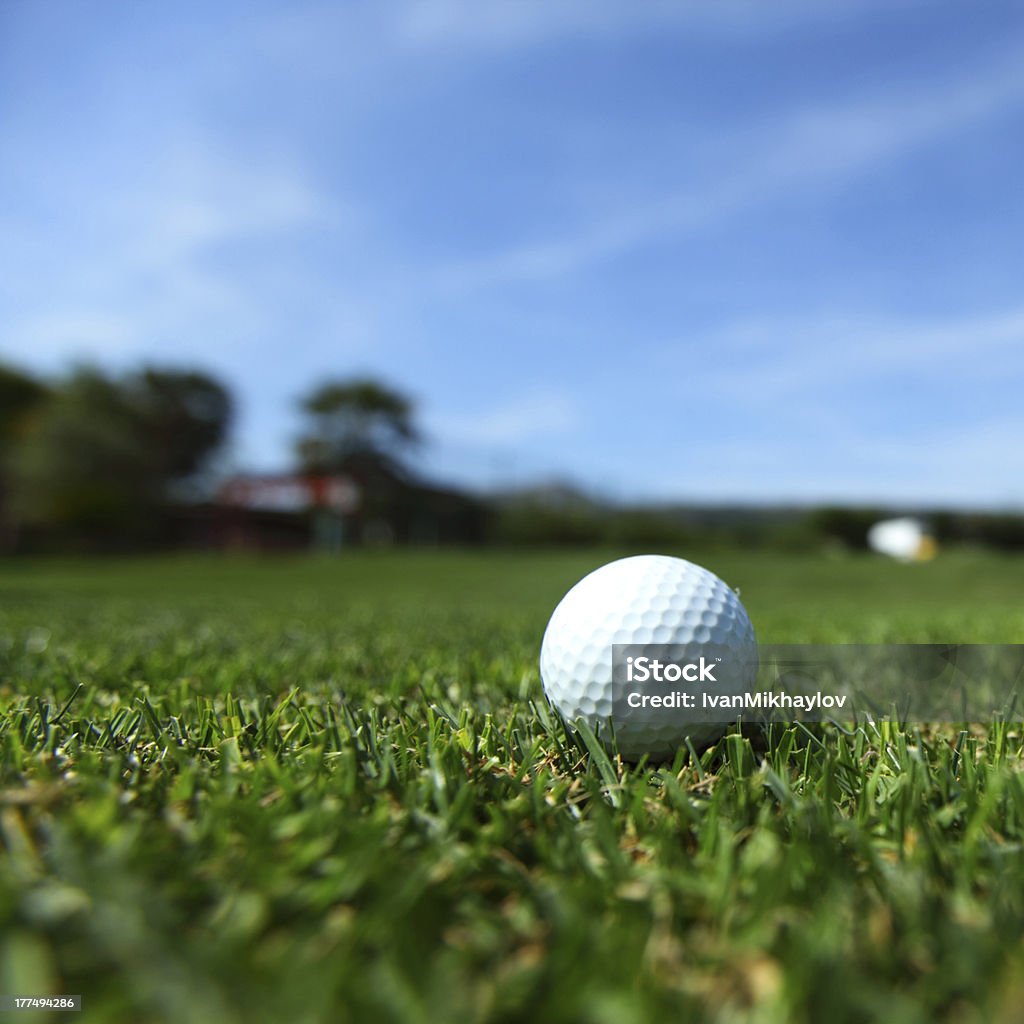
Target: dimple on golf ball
[[645, 600]]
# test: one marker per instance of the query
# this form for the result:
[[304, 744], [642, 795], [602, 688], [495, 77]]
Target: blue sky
[[699, 251]]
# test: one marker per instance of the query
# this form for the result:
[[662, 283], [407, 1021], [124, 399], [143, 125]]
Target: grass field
[[298, 790]]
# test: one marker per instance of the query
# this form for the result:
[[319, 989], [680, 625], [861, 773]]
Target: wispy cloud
[[328, 186], [133, 264], [513, 23], [390, 29], [204, 198], [813, 148], [979, 465], [782, 356], [854, 407]]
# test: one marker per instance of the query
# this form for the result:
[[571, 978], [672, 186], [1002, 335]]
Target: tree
[[184, 417], [99, 455], [19, 395], [849, 526], [358, 421], [81, 469]]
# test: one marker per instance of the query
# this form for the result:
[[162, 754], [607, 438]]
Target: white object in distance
[[905, 539]]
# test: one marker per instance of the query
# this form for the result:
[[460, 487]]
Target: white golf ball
[[646, 599]]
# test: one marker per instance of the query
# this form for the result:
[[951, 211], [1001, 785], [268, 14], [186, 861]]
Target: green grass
[[297, 790]]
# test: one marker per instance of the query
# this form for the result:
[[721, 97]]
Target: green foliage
[[19, 394], [646, 529], [81, 470], [183, 416], [96, 459], [331, 791], [1001, 531], [535, 524], [849, 526]]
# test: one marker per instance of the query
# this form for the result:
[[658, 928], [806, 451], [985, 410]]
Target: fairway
[[330, 790]]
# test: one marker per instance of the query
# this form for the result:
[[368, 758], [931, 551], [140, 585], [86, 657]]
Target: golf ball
[[645, 600]]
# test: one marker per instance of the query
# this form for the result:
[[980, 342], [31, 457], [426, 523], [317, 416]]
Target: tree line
[[94, 459]]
